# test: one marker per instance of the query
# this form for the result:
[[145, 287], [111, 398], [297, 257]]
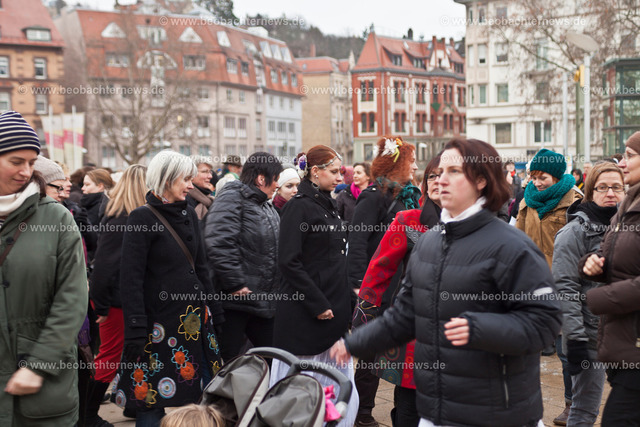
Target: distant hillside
[[300, 37]]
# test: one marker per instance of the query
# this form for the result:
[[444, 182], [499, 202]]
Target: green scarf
[[409, 195], [546, 200]]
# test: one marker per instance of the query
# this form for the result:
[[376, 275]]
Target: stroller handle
[[275, 353]]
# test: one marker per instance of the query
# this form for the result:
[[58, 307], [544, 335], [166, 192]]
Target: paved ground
[[550, 378]]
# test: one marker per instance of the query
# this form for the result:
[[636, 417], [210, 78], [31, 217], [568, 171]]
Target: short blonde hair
[[199, 160], [194, 416], [166, 167]]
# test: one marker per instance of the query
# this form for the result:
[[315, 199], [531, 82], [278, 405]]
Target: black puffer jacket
[[241, 238], [494, 276], [346, 202]]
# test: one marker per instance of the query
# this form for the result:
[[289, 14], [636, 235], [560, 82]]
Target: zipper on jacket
[[445, 248], [503, 375]]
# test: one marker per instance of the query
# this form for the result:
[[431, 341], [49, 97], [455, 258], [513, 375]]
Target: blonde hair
[[129, 193], [194, 416]]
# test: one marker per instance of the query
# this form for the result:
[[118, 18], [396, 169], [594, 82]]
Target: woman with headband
[[314, 310]]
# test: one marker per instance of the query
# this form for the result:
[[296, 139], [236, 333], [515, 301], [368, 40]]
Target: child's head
[[194, 416]]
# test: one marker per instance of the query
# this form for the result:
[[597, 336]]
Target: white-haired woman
[[165, 289]]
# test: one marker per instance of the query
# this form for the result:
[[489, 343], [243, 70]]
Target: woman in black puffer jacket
[[241, 238], [479, 299]]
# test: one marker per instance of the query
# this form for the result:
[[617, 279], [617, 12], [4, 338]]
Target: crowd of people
[[449, 287]]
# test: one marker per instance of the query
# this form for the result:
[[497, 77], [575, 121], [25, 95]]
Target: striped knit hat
[[16, 134]]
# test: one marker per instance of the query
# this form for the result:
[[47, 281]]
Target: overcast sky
[[342, 17]]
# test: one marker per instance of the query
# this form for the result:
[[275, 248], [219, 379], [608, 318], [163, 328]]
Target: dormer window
[[38, 34], [396, 60]]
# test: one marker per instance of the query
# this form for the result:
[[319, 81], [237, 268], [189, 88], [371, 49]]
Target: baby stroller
[[241, 391]]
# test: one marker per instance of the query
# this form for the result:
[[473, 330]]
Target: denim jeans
[[566, 376], [587, 395], [149, 417]]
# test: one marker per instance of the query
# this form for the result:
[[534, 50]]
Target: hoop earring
[[316, 186]]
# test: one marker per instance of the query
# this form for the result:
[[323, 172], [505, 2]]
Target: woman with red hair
[[392, 191]]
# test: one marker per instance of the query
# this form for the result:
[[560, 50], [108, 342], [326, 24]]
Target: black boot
[[94, 399]]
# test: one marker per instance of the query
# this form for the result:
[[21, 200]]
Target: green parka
[[43, 303]]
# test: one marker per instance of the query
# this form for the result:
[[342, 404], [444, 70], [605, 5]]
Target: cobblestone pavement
[[550, 379]]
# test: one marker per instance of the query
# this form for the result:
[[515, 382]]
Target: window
[[42, 104], [451, 121], [241, 97], [281, 103], [472, 98], [229, 95], [445, 123], [202, 93], [155, 35], [450, 93], [5, 101], [291, 104], [282, 129], [502, 92], [434, 96], [108, 157], [127, 91], [502, 52], [242, 128], [482, 18], [271, 131], [368, 152], [503, 133], [117, 60], [230, 148], [541, 55], [203, 150], [223, 39], [274, 76], [203, 127], [183, 92], [399, 120], [283, 77], [40, 68], [501, 12], [294, 80], [4, 66], [482, 54], [366, 90], [107, 126], [229, 127], [418, 63], [396, 60], [184, 128], [542, 91], [242, 150], [271, 101], [232, 66], [193, 62], [185, 150], [628, 42], [258, 129], [372, 122], [482, 89], [245, 68], [470, 56], [541, 129], [292, 130], [39, 35], [127, 123]]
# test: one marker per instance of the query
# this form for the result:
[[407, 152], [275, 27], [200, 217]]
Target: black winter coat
[[346, 202], [164, 300], [374, 212], [81, 218], [241, 238], [92, 203], [313, 265], [104, 286], [493, 380]]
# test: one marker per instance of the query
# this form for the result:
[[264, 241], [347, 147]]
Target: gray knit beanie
[[49, 170]]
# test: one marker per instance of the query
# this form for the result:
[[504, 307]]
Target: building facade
[[160, 80], [413, 89], [31, 62], [327, 116]]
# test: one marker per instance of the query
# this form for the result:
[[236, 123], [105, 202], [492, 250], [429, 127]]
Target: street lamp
[[589, 46]]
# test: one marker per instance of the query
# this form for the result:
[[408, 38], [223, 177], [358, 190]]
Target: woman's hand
[[241, 292], [457, 331], [339, 353], [327, 315], [593, 266], [101, 319], [23, 381]]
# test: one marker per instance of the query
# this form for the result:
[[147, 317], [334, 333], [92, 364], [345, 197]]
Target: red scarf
[[355, 190]]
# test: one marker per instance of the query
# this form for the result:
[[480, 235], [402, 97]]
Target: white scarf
[[446, 217], [10, 203]]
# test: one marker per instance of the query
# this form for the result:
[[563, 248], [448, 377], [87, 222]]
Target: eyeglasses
[[206, 172], [628, 156], [59, 188], [433, 176], [605, 188]]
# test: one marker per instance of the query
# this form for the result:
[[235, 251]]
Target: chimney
[[410, 34], [312, 50]]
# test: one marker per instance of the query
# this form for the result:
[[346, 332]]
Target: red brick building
[[413, 89]]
